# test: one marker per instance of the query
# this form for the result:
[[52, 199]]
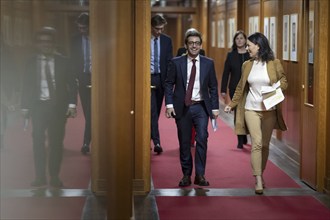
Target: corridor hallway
[[229, 196]]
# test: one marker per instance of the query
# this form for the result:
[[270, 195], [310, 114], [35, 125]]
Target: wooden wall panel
[[113, 46], [292, 109], [322, 83], [142, 99]]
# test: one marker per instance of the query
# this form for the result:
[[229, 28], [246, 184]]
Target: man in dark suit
[[49, 96], [191, 97], [81, 64], [161, 54], [182, 51]]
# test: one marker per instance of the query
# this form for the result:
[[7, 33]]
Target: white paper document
[[268, 89], [272, 95], [214, 124], [26, 124]]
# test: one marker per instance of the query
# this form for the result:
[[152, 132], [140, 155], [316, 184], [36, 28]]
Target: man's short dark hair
[[83, 19], [192, 33], [157, 20]]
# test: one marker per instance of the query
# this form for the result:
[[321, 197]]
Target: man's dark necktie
[[50, 83], [187, 100], [156, 62]]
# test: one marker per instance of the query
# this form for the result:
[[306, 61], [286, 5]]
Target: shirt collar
[[196, 58], [153, 37]]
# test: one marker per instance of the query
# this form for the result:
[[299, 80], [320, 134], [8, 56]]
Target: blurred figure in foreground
[[49, 96], [9, 84]]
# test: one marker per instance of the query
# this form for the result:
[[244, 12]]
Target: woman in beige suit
[[252, 116]]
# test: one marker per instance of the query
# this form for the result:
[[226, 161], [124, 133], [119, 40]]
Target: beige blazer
[[275, 73]]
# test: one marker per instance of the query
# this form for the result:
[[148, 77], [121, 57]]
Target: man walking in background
[[161, 54], [81, 63]]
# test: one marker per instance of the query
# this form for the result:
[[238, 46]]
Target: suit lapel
[[184, 72], [271, 71], [162, 45], [202, 70]]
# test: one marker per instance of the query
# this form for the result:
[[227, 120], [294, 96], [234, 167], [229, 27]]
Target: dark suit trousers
[[157, 95], [197, 117], [47, 118], [86, 99]]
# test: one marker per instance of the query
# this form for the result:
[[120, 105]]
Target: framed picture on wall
[[286, 37], [311, 37], [221, 33], [255, 24], [213, 34], [266, 27], [293, 37], [231, 32], [272, 34], [251, 25]]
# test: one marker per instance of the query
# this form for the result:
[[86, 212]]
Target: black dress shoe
[[158, 149], [39, 182], [56, 182], [185, 181], [85, 149], [240, 146], [242, 139], [201, 181], [245, 142]]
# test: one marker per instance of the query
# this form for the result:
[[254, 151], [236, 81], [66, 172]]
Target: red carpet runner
[[227, 167]]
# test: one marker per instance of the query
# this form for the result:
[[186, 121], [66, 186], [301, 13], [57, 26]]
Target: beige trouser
[[260, 125]]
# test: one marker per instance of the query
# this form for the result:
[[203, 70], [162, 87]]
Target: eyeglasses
[[197, 43]]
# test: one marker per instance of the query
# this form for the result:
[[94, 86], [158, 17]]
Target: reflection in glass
[[19, 20]]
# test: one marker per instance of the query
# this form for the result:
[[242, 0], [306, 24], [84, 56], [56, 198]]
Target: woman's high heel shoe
[[259, 186]]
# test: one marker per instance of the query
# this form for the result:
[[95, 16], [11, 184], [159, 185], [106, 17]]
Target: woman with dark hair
[[232, 72], [252, 117]]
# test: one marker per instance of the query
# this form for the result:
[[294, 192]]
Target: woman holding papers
[[252, 116]]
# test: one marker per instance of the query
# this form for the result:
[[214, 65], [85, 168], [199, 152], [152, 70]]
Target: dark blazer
[[77, 60], [66, 86], [166, 54], [175, 84], [232, 70], [275, 72]]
